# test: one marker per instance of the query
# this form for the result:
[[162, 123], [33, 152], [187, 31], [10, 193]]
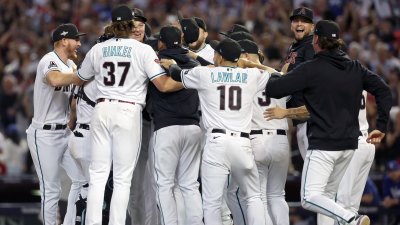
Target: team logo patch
[[291, 58], [64, 33], [52, 65]]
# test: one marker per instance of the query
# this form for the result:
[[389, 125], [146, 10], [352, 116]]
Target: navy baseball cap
[[327, 28], [249, 47], [200, 23], [190, 30], [235, 28], [238, 36], [303, 12], [139, 15], [67, 30], [229, 49], [121, 13], [170, 36], [392, 165]]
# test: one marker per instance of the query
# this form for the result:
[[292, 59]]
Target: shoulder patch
[[52, 65]]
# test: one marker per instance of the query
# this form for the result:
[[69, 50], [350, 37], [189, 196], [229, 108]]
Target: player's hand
[[375, 137], [192, 54], [274, 113], [244, 63], [166, 63]]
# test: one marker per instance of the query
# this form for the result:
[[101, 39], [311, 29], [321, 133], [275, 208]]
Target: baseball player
[[121, 67], [200, 47], [352, 185], [48, 134], [329, 82], [271, 152], [226, 94], [300, 51], [177, 138]]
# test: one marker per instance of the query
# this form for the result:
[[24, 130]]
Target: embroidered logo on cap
[[64, 33]]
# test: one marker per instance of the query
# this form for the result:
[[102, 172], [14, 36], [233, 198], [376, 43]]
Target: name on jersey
[[122, 51], [227, 77]]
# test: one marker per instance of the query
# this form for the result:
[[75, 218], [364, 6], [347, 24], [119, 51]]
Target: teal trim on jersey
[[80, 77], [198, 50], [157, 75], [60, 59], [240, 206], [83, 215], [41, 172], [304, 192], [155, 170]]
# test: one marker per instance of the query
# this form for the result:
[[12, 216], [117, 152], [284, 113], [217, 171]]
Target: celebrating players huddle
[[213, 112]]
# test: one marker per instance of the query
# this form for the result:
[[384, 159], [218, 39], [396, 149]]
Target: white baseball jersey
[[51, 103], [84, 111], [261, 102], [116, 58], [226, 94], [207, 53], [362, 115]]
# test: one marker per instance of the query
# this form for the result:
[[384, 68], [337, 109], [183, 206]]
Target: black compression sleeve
[[175, 72], [202, 61]]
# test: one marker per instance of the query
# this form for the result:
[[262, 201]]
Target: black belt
[[278, 132], [84, 126], [223, 131], [112, 100], [54, 126]]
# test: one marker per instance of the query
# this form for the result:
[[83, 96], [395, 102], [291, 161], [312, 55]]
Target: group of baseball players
[[212, 112]]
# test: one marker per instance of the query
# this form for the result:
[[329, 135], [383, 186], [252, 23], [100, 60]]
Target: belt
[[223, 131], [112, 100], [54, 126], [278, 132], [84, 126]]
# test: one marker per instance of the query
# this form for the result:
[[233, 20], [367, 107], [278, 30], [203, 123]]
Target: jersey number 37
[[109, 79]]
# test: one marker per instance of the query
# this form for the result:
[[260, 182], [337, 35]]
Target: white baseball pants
[[302, 139]]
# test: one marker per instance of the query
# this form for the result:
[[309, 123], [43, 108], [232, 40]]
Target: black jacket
[[332, 86], [176, 108], [298, 53]]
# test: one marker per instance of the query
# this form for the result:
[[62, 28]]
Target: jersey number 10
[[234, 97], [109, 79]]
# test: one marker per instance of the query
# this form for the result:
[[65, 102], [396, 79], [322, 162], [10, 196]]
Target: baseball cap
[[170, 36], [237, 36], [121, 13], [327, 28], [67, 30], [200, 23], [139, 15], [392, 165], [235, 28], [147, 29], [249, 46], [303, 12], [229, 49], [190, 30]]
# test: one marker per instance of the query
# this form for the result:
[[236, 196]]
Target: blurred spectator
[[8, 101], [3, 168], [391, 185], [370, 195], [14, 151], [393, 140]]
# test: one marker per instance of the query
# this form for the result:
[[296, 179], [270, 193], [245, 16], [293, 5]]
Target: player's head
[[226, 51], [140, 26], [251, 51], [122, 21], [327, 36], [203, 34], [67, 37], [393, 170], [190, 30], [234, 29], [240, 35], [301, 22], [170, 37]]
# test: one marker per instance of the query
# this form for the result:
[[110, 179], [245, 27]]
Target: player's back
[[120, 66], [226, 95]]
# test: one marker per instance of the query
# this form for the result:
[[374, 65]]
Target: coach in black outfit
[[177, 137], [332, 86]]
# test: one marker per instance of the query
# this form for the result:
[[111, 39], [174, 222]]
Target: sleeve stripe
[[82, 78], [182, 78], [157, 75]]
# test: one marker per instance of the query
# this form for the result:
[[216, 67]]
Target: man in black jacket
[[177, 137], [332, 87]]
